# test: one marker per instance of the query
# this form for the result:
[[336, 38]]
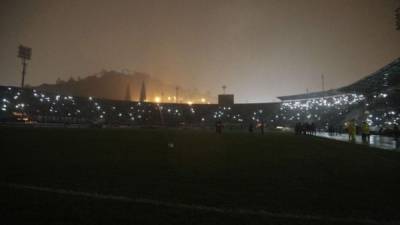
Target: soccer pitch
[[128, 176]]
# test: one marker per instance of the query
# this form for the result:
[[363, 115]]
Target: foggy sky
[[258, 49]]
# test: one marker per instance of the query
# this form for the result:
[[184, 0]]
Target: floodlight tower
[[25, 54], [223, 88]]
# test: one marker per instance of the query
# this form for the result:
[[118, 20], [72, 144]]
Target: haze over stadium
[[200, 112], [256, 48]]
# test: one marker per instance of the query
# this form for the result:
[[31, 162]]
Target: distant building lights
[[157, 99]]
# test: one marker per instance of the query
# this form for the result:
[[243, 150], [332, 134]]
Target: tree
[[59, 81], [128, 93], [142, 93]]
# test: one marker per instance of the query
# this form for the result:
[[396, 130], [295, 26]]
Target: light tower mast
[[223, 88], [25, 54]]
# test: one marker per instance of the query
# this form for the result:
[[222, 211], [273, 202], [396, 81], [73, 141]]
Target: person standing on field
[[218, 127], [365, 132], [251, 127], [351, 129], [262, 127], [396, 132]]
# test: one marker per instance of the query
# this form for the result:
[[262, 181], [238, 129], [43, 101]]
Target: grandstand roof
[[310, 95], [384, 79]]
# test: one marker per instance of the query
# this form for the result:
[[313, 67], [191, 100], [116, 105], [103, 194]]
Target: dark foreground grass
[[276, 172]]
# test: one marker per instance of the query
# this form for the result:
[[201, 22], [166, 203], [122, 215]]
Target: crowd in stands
[[325, 113], [305, 128], [332, 113], [36, 106]]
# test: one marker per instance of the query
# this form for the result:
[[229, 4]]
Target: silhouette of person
[[396, 133], [218, 127], [365, 132], [262, 127], [351, 129], [313, 129], [251, 127]]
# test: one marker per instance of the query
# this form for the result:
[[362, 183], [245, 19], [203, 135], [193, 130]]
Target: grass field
[[279, 173]]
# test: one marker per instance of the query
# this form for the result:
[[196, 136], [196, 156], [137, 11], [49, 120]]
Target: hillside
[[121, 86]]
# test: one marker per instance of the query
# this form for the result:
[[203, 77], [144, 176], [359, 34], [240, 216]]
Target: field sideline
[[279, 173]]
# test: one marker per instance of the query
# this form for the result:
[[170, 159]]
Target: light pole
[[25, 54], [223, 88]]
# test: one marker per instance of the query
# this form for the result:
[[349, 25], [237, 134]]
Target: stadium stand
[[374, 99], [29, 105]]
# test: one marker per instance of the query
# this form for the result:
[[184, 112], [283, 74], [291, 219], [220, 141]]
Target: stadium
[[163, 163], [114, 118], [374, 99]]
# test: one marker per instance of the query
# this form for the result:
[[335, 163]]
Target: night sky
[[258, 49]]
